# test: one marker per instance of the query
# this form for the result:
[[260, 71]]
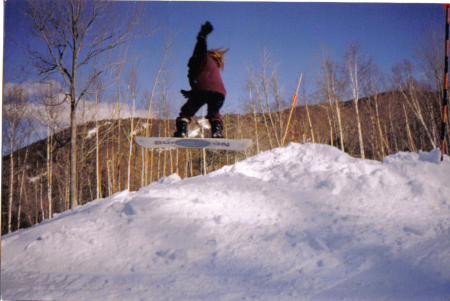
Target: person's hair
[[218, 56]]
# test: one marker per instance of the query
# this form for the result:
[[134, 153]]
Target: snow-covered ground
[[304, 222]]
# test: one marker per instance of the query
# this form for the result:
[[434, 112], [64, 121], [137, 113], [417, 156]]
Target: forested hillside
[[110, 162]]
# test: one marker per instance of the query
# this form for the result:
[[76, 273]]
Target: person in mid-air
[[206, 86]]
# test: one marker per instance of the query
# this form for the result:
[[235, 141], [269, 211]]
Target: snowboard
[[209, 143]]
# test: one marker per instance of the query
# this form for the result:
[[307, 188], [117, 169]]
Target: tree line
[[109, 161], [85, 156]]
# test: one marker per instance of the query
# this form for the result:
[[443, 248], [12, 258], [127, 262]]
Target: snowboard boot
[[182, 127], [216, 128]]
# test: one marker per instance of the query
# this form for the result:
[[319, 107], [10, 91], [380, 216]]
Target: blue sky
[[293, 33]]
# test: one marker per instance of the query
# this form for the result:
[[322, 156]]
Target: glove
[[206, 29], [186, 94]]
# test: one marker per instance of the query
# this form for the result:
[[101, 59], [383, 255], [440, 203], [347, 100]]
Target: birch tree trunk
[[408, 130], [15, 129], [310, 122], [329, 81], [50, 171], [22, 191], [353, 63], [11, 182], [97, 161], [133, 86], [255, 120]]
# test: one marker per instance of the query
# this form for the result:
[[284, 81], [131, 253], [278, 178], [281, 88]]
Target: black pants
[[197, 99]]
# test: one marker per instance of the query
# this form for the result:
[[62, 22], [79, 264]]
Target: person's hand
[[206, 29]]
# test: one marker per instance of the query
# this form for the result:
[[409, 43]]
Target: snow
[[92, 133], [197, 127], [303, 222], [37, 178]]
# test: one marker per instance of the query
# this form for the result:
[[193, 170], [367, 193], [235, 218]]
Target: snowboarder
[[206, 86]]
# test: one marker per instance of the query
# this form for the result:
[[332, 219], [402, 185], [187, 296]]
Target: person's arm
[[199, 51]]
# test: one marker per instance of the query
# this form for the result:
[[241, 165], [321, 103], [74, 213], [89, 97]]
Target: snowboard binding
[[182, 127], [216, 129]]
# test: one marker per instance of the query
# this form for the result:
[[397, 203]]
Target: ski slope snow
[[303, 222]]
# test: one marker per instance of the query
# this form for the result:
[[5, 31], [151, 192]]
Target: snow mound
[[303, 222]]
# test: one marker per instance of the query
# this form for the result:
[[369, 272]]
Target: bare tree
[[74, 33], [49, 96], [255, 118], [97, 96], [408, 87], [164, 107], [331, 88], [355, 65], [266, 83], [133, 87], [150, 96], [266, 91], [430, 55], [372, 80], [15, 129], [117, 154]]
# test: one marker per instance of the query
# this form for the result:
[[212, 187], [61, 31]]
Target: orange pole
[[294, 102]]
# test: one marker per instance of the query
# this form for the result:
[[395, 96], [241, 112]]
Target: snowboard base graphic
[[208, 143]]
